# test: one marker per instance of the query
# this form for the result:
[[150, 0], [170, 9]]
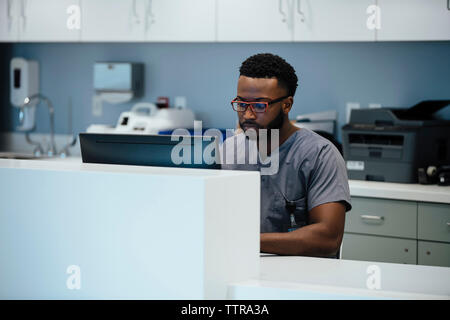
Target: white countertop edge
[[340, 293], [75, 165], [400, 191], [295, 276], [358, 188]]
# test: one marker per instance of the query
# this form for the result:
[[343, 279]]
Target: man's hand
[[321, 238]]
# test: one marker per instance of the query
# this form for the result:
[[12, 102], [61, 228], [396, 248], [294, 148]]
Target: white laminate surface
[[400, 191], [358, 188], [284, 277], [132, 232], [75, 164]]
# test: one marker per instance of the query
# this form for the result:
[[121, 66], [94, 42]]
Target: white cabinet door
[[254, 20], [113, 20], [331, 20], [9, 20], [47, 20], [414, 20], [180, 20]]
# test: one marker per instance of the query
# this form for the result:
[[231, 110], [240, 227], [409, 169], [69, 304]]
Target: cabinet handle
[[300, 12], [10, 16], [149, 13], [136, 19], [372, 218], [23, 14], [280, 8]]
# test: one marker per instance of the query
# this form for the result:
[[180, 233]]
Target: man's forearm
[[312, 240]]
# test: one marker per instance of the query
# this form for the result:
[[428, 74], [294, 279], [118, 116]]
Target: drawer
[[382, 217], [380, 249], [434, 253], [434, 221]]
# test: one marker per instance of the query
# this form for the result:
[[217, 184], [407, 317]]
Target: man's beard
[[276, 123]]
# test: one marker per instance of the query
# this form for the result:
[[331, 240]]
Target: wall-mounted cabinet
[[417, 20], [328, 20], [118, 20], [293, 20], [9, 20], [181, 20], [254, 20], [148, 20], [223, 20], [37, 20], [46, 20]]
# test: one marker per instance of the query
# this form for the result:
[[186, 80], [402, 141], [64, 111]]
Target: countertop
[[283, 277], [75, 164], [400, 191], [112, 221], [292, 277], [358, 188]]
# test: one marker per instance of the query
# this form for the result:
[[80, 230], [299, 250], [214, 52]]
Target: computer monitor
[[151, 150]]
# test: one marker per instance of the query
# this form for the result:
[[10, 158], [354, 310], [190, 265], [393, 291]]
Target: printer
[[391, 144]]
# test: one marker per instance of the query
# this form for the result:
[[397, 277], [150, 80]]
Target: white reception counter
[[79, 231], [293, 278]]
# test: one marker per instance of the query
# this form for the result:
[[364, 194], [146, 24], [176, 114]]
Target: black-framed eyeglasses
[[258, 107]]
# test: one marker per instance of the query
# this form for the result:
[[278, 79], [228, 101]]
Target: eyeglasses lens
[[242, 106]]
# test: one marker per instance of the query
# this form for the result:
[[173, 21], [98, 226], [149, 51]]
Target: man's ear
[[287, 105]]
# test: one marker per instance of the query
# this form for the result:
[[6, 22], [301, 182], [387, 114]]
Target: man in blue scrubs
[[303, 201]]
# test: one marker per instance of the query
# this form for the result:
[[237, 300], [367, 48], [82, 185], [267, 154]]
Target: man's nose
[[249, 113]]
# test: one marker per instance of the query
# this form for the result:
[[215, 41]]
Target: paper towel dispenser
[[123, 79]]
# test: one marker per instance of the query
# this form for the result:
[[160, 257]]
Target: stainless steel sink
[[18, 155], [29, 156]]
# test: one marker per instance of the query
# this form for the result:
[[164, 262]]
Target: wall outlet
[[349, 107], [374, 105], [180, 102]]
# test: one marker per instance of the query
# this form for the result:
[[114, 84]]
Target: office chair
[[332, 139]]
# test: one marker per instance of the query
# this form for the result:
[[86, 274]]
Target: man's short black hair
[[267, 65]]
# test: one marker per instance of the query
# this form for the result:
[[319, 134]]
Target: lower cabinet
[[434, 222], [381, 249], [397, 231], [434, 253]]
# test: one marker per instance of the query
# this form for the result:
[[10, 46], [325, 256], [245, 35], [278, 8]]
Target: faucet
[[51, 111], [64, 153]]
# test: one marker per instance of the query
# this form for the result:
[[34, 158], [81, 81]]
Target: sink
[[29, 156], [18, 155]]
